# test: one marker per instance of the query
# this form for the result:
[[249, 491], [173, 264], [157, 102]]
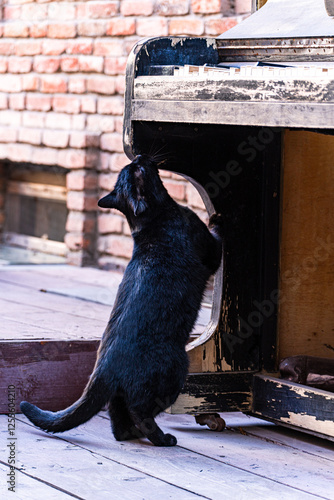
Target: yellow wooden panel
[[306, 316]]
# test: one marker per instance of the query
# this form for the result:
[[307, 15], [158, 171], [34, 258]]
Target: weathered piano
[[248, 117]]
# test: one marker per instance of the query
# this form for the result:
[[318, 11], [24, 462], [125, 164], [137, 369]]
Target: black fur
[[142, 364]]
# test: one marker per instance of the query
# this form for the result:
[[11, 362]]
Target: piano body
[[248, 118]]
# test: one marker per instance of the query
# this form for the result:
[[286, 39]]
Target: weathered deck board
[[89, 463], [82, 470], [29, 487]]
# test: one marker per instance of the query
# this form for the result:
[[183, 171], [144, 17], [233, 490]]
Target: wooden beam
[[294, 405], [267, 114], [34, 189], [33, 243]]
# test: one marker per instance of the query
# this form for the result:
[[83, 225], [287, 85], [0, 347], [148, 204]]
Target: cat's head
[[138, 191]]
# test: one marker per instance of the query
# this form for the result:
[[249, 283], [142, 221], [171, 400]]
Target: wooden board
[[267, 114], [50, 374], [224, 87], [294, 405], [306, 315], [204, 464]]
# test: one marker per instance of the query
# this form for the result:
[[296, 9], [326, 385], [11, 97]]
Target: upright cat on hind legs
[[141, 363]]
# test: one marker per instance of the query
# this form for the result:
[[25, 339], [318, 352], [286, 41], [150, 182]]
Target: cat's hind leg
[[152, 431], [123, 427]]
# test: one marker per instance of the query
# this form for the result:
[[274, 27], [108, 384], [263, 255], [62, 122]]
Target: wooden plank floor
[[250, 460]]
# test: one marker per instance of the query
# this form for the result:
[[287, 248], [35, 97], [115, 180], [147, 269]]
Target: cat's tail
[[91, 402]]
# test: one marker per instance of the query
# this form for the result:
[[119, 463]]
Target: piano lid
[[287, 19]]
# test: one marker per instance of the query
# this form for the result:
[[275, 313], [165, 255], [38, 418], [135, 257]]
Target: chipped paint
[[310, 422]]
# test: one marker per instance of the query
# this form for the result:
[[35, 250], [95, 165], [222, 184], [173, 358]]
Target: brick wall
[[61, 98]]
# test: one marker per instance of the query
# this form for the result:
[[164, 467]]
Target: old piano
[[248, 118]]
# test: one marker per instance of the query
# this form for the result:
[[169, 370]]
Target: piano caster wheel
[[212, 420]]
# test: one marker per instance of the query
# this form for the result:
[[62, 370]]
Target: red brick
[[112, 142], [137, 7], [80, 180], [206, 6], [194, 198], [107, 181], [120, 246], [115, 65], [6, 48], [172, 7], [120, 84], [218, 26], [30, 82], [103, 164], [78, 122], [77, 241], [119, 124], [77, 84], [30, 135], [56, 138], [153, 26], [20, 152], [38, 102], [38, 30], [130, 42], [10, 83], [17, 101], [61, 10], [79, 46], [176, 189], [19, 64], [110, 105], [66, 104], [108, 47], [4, 151], [8, 134], [91, 64], [88, 104], [69, 64], [28, 48], [12, 118], [121, 27], [242, 6], [44, 156], [3, 101], [109, 223], [33, 12], [72, 158], [97, 10], [15, 30], [81, 201], [92, 28], [62, 30], [54, 83], [54, 47], [45, 64], [118, 161], [11, 12], [98, 123], [80, 222], [55, 121], [183, 26], [33, 119], [101, 84], [3, 65], [82, 140]]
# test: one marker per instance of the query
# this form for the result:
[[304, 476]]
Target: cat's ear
[[108, 201]]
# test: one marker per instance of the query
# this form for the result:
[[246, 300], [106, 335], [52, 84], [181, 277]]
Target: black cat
[[141, 363]]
